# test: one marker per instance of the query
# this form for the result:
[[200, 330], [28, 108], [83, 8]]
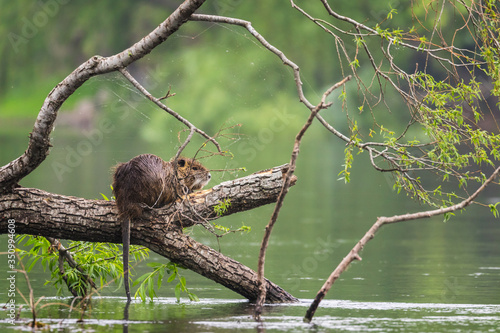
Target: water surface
[[422, 276]]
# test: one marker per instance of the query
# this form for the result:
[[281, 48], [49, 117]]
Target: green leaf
[[178, 292], [182, 280], [141, 279], [447, 216], [151, 289], [193, 297], [30, 267], [161, 274], [494, 210], [154, 264], [172, 277]]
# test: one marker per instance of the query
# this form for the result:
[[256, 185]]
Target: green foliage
[[348, 159], [443, 120], [447, 216], [354, 63], [446, 133], [393, 35], [423, 43], [226, 230], [348, 154], [221, 208], [494, 210], [391, 13], [489, 32], [101, 262], [147, 281]]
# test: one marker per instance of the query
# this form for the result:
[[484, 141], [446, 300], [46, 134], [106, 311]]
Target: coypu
[[148, 181]]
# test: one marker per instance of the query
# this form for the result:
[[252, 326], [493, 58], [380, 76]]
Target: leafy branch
[[147, 281]]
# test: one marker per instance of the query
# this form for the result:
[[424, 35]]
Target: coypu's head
[[192, 173]]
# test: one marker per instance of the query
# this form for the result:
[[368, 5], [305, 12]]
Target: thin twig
[[31, 302], [165, 108], [279, 203], [168, 94]]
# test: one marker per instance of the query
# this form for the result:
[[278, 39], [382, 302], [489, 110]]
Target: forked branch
[[174, 114], [286, 185]]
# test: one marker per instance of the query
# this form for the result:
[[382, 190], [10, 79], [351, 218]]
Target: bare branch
[[248, 25], [279, 203], [370, 234], [39, 144], [174, 114]]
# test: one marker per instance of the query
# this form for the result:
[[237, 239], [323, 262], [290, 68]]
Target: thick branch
[[39, 144], [38, 212]]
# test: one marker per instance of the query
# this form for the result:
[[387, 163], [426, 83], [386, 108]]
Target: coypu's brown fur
[[148, 181]]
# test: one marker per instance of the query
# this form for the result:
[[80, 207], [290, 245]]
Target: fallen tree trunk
[[37, 212]]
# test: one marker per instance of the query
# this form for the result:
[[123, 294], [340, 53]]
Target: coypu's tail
[[126, 249]]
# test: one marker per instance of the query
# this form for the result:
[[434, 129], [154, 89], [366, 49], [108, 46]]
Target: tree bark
[[37, 212]]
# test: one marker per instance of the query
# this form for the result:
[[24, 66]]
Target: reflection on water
[[228, 315], [346, 316]]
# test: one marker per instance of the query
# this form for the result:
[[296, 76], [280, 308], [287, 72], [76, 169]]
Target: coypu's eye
[[181, 162], [195, 168]]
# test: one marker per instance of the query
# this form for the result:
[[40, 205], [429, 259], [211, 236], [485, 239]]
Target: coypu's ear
[[181, 162]]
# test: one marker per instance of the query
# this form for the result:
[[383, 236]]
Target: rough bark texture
[[38, 212]]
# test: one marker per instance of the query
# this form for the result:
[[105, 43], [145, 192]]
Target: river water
[[420, 276]]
